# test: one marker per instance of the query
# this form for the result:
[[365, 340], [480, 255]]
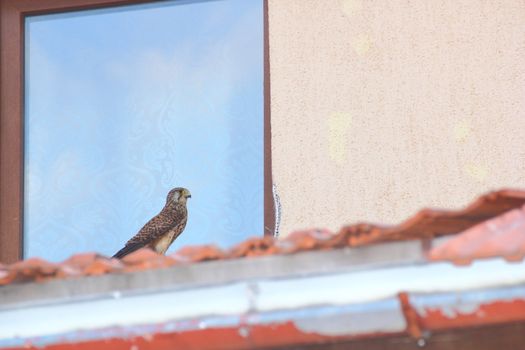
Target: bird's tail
[[128, 249]]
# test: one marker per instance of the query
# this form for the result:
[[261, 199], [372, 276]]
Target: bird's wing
[[152, 230], [179, 228]]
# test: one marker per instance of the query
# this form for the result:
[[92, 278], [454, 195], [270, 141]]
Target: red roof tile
[[431, 223], [198, 253], [144, 259], [425, 224], [501, 236], [309, 240], [85, 264]]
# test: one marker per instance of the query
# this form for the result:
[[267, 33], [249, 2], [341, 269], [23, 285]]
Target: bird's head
[[178, 195]]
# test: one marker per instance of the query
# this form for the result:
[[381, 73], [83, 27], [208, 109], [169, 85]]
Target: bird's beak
[[188, 196]]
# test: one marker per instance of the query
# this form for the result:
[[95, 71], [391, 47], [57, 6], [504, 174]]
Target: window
[[122, 104]]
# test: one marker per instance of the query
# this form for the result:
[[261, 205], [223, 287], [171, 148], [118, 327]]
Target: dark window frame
[[12, 17]]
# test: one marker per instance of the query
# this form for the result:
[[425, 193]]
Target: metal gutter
[[267, 311]]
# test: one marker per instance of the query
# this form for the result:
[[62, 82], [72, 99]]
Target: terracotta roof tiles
[[502, 236], [432, 223], [199, 253]]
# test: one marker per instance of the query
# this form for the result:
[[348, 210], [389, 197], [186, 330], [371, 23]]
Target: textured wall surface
[[382, 107]]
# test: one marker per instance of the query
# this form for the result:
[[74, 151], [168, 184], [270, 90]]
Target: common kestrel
[[163, 229]]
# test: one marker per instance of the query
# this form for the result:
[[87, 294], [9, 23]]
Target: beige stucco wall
[[382, 107]]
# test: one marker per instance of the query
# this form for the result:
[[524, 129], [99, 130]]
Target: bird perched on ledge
[[163, 229]]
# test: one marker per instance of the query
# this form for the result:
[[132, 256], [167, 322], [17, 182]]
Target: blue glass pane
[[124, 104]]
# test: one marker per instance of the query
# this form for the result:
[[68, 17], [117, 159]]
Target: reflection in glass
[[124, 104]]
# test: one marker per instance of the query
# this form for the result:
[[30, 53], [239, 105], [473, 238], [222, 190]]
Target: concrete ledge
[[211, 273]]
